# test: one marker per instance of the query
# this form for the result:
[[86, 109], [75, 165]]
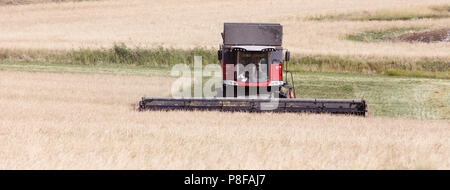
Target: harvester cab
[[252, 61], [255, 78]]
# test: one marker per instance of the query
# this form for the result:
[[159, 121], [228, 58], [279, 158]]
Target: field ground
[[24, 2], [86, 120], [68, 94], [198, 23], [409, 97]]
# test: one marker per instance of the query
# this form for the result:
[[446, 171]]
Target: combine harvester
[[255, 78]]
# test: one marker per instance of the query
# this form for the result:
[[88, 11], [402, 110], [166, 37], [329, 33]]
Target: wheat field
[[61, 119], [88, 121], [198, 23]]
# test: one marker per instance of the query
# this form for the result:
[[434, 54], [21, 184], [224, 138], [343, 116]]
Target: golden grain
[[87, 121], [194, 23], [79, 121]]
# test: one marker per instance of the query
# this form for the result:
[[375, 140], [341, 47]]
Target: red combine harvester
[[255, 78]]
